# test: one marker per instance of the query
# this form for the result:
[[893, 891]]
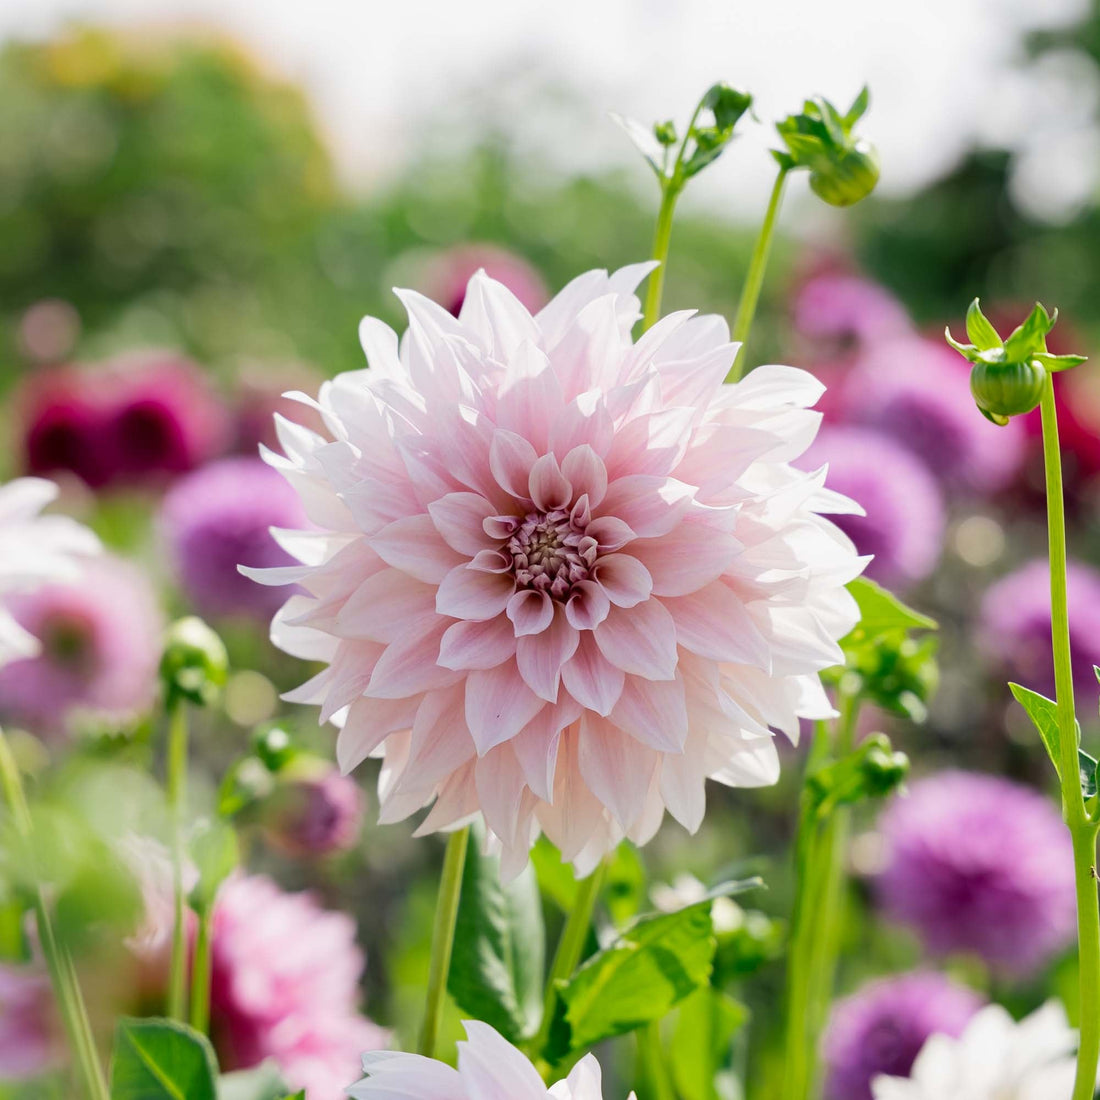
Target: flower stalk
[[443, 938], [177, 798], [201, 970]]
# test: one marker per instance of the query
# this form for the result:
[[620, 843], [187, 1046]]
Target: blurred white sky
[[942, 73]]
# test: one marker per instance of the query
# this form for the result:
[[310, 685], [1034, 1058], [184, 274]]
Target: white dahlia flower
[[561, 578]]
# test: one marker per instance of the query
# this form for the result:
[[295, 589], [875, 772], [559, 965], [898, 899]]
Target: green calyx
[[194, 664], [843, 168], [1009, 374]]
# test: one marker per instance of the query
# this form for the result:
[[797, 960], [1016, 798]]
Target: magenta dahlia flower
[[98, 643], [31, 1040], [881, 1028], [448, 273], [1014, 625], [563, 578], [918, 392], [904, 517], [220, 516], [982, 865]]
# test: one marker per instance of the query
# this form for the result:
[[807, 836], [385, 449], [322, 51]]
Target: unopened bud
[[195, 664]]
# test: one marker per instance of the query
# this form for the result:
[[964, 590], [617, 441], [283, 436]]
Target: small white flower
[[995, 1058]]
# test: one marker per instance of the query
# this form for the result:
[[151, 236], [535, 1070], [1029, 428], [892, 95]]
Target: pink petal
[[498, 705], [472, 594], [625, 579], [715, 624], [588, 606], [689, 557], [440, 744], [650, 505], [493, 1069], [499, 528], [413, 545], [368, 724], [539, 657], [511, 458], [382, 606], [683, 788], [585, 471], [528, 404], [585, 420], [610, 532], [531, 611], [591, 679], [409, 666], [550, 490], [460, 518], [500, 786], [616, 768], [470, 645], [536, 745], [491, 561], [652, 443], [641, 640], [653, 712]]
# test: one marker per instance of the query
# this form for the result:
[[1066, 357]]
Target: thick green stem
[[670, 192], [1082, 829], [201, 967], [754, 280], [443, 938], [59, 964], [177, 799], [570, 947]]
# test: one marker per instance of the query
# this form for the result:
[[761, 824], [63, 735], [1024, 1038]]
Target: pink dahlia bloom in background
[[34, 550], [98, 641], [222, 515], [489, 1068], [980, 865], [447, 274], [881, 1028], [918, 392], [1014, 626], [902, 527], [562, 578], [315, 812], [31, 1040]]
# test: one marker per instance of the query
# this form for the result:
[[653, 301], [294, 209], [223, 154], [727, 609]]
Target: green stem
[[177, 799], [754, 280], [1082, 829], [201, 968], [59, 964], [570, 947], [670, 192], [443, 938], [651, 1050]]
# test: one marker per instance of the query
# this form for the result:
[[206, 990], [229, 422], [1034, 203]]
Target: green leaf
[[215, 853], [497, 968], [968, 351], [982, 334], [1088, 773], [700, 1047], [624, 886], [161, 1060], [1029, 338], [645, 141], [555, 878], [858, 108], [1060, 362], [881, 612], [264, 1082], [1043, 713]]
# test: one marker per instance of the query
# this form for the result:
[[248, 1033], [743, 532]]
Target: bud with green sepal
[[1009, 374], [843, 168], [195, 663]]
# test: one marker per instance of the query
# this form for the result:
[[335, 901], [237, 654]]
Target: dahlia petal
[[756, 764], [693, 382], [529, 401], [385, 605], [493, 1069], [653, 712], [624, 578], [531, 611], [409, 666], [585, 421], [473, 594], [770, 385], [585, 1082], [539, 657], [368, 724], [641, 640], [591, 679], [588, 348], [498, 705], [484, 644], [497, 316], [440, 745], [379, 343], [500, 786], [460, 519], [576, 816], [298, 641], [511, 458], [651, 444], [588, 606], [536, 745], [714, 623], [616, 768], [500, 528], [688, 558], [455, 804], [549, 489], [491, 561], [683, 789], [350, 674], [413, 545], [649, 505], [610, 532], [583, 468]]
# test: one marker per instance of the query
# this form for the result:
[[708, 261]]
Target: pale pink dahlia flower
[[562, 578], [489, 1068]]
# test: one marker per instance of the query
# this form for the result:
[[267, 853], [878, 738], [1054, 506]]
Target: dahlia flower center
[[551, 553]]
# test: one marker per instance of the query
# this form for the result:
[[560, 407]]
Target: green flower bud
[[843, 168], [274, 747], [194, 665], [1009, 374], [883, 769]]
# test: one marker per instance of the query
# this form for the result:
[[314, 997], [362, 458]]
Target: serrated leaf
[[161, 1060], [700, 1047], [981, 333], [500, 944], [264, 1082], [642, 976], [881, 612]]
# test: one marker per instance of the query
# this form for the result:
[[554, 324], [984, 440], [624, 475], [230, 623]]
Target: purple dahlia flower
[[982, 865], [447, 275]]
